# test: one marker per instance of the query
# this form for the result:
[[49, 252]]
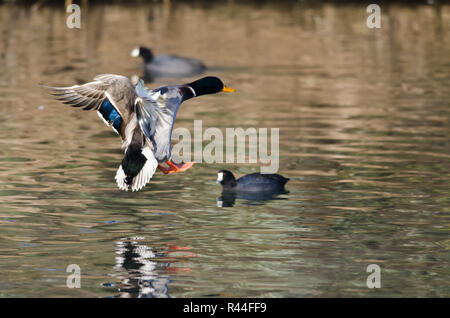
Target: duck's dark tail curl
[[132, 164], [137, 168]]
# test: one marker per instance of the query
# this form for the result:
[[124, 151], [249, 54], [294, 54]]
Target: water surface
[[364, 137]]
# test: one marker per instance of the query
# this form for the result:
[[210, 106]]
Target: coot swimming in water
[[254, 182], [168, 65]]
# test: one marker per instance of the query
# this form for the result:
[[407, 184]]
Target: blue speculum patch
[[110, 114]]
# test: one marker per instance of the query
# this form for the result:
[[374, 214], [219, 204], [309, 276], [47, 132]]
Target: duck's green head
[[209, 85]]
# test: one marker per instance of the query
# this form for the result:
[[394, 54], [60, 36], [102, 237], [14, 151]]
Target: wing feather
[[91, 95], [156, 118], [117, 89], [87, 96]]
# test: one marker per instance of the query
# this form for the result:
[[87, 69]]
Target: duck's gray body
[[143, 118], [157, 115]]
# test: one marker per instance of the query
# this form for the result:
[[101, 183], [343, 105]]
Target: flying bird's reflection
[[142, 272]]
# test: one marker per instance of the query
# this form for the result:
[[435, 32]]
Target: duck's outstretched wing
[[111, 95], [156, 111]]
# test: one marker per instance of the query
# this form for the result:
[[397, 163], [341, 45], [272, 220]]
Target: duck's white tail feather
[[143, 176], [120, 179]]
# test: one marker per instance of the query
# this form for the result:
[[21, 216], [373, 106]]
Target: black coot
[[168, 65], [254, 182]]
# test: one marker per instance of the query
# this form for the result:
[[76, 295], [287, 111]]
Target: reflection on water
[[364, 129], [141, 272], [228, 198], [137, 273]]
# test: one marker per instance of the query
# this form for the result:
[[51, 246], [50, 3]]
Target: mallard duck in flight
[[142, 118]]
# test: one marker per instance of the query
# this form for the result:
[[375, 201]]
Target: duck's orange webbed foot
[[175, 167], [163, 169]]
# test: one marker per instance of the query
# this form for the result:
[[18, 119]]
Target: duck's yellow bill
[[228, 89]]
